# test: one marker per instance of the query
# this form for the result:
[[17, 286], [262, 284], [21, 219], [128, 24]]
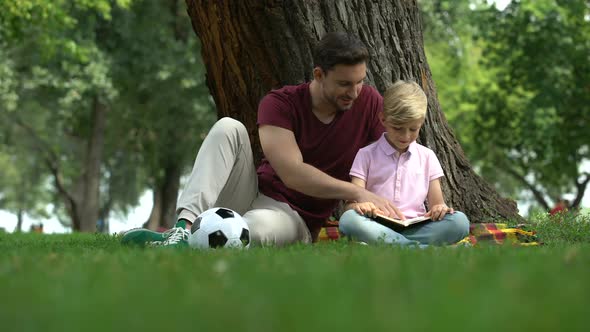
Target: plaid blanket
[[481, 233], [495, 233]]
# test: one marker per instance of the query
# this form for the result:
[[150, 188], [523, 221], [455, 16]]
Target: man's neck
[[322, 109]]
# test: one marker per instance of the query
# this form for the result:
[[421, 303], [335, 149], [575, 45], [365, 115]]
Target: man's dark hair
[[339, 48]]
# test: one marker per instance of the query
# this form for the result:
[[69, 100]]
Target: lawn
[[87, 282]]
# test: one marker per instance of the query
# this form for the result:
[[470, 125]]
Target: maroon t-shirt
[[329, 147]]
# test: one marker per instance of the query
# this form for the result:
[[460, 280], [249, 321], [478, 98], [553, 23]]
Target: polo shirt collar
[[389, 150]]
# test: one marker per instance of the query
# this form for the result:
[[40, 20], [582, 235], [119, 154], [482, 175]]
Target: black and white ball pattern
[[219, 228]]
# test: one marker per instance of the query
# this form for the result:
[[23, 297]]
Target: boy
[[407, 173]]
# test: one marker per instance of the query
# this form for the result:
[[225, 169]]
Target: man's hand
[[384, 205], [366, 209], [437, 212]]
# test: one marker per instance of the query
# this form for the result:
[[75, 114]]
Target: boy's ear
[[381, 117]]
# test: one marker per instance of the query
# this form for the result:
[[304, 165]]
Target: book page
[[406, 222], [417, 219]]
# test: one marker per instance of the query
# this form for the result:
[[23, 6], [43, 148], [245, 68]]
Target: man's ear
[[318, 74]]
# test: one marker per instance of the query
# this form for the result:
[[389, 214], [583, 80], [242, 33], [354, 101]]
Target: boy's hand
[[438, 212], [367, 209]]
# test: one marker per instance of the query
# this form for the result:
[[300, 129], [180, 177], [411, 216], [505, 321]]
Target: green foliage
[[22, 184], [454, 59], [539, 100], [162, 111], [330, 286], [49, 23], [138, 58], [566, 228], [166, 126], [514, 86], [57, 71]]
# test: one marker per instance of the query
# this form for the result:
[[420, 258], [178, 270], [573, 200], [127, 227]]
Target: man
[[309, 134]]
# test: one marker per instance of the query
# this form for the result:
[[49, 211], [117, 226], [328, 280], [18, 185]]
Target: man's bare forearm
[[313, 182]]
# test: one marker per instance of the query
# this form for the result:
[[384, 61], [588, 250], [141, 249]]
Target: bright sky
[[135, 219], [500, 4]]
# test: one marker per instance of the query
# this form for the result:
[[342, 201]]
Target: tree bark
[[252, 46], [51, 161], [19, 221], [156, 213], [165, 196], [581, 186], [170, 189], [537, 194], [88, 213]]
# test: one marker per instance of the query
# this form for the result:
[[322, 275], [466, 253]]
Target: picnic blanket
[[497, 233], [480, 233]]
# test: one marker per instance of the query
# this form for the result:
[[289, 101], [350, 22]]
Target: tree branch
[[51, 160], [536, 192], [581, 189]]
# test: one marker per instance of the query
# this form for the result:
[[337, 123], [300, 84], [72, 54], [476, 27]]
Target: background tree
[[539, 99], [81, 102], [21, 181], [250, 47], [22, 185], [517, 91], [454, 48], [166, 109], [61, 88]]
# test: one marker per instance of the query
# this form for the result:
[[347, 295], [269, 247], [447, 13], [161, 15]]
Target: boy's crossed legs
[[453, 228]]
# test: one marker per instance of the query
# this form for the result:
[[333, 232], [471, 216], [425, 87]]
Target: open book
[[397, 224]]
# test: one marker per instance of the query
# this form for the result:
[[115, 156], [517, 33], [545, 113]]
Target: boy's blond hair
[[403, 102]]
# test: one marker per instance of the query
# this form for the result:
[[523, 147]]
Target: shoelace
[[175, 235]]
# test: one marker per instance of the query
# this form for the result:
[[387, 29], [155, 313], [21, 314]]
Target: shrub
[[562, 228]]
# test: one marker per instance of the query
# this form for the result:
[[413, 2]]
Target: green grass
[[86, 282], [565, 228]]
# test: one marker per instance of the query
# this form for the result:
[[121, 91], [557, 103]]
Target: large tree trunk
[[252, 46]]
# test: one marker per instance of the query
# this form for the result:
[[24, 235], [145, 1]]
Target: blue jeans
[[451, 229]]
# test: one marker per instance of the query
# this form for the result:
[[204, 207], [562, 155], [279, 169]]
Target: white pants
[[224, 176]]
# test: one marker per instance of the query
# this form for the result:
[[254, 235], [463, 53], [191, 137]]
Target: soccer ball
[[219, 227]]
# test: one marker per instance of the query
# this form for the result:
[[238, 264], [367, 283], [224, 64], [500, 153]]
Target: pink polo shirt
[[402, 178]]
